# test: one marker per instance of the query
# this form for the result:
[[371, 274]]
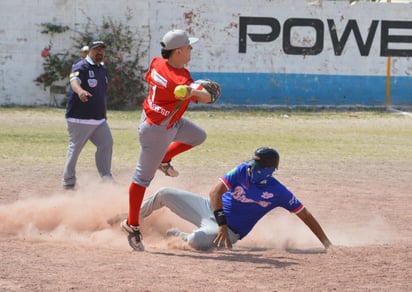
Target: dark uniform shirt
[[93, 78]]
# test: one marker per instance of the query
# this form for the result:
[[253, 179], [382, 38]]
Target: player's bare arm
[[216, 202], [83, 94], [313, 225], [216, 195], [201, 95]]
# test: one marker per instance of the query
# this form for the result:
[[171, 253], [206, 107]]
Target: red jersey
[[161, 102]]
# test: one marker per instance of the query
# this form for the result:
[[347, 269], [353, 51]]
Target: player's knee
[[199, 138], [202, 137], [163, 194], [107, 145]]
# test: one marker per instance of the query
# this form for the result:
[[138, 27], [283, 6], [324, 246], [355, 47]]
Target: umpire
[[86, 114]]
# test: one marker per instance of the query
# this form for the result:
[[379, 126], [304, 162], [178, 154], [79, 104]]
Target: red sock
[[174, 149], [136, 195]]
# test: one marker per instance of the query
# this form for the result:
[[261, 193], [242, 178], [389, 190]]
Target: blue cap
[[95, 44]]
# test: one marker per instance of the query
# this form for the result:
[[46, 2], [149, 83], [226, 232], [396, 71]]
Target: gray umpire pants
[[190, 207], [79, 134]]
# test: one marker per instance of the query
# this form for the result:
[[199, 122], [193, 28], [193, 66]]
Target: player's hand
[[189, 91], [84, 96], [222, 238]]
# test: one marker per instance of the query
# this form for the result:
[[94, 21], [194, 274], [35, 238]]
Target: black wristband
[[220, 217]]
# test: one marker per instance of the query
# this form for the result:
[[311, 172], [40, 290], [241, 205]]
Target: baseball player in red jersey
[[163, 132]]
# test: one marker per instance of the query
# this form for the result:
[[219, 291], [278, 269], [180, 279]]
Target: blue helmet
[[264, 163], [264, 157]]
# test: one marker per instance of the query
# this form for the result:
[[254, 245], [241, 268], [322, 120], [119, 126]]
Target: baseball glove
[[212, 87]]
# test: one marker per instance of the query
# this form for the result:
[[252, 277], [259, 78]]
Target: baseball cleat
[[173, 232], [176, 232], [168, 169], [116, 219], [69, 186], [133, 235]]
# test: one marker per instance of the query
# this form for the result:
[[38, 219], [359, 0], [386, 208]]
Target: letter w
[[339, 45]]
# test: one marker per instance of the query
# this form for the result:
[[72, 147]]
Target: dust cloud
[[82, 216]]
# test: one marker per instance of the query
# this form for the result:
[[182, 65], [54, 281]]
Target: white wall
[[21, 41], [216, 23]]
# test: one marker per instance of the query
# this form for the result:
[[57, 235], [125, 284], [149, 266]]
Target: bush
[[126, 88]]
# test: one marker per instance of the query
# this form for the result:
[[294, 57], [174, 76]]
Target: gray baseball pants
[[154, 141], [190, 207], [79, 134]]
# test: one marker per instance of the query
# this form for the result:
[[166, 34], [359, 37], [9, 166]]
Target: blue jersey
[[245, 203], [93, 78]]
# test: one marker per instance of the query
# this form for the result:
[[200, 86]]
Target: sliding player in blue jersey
[[237, 202]]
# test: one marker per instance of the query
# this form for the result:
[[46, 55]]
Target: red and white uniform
[[162, 121], [161, 102]]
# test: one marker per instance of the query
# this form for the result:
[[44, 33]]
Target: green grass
[[38, 136]]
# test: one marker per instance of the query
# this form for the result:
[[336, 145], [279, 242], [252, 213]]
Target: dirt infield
[[55, 240]]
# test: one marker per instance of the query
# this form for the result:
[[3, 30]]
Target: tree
[[126, 88]]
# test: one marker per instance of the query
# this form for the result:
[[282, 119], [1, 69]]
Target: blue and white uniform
[[244, 204]]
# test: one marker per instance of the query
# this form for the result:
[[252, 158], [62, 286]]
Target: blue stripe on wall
[[308, 89]]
